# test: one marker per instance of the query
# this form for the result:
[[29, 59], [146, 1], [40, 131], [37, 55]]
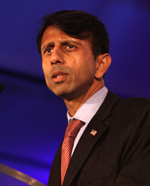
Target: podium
[[10, 176]]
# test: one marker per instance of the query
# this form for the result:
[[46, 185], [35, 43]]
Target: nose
[[56, 57]]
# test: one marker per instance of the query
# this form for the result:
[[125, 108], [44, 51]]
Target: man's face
[[68, 63]]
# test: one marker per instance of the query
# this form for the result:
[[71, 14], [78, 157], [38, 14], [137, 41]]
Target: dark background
[[32, 119]]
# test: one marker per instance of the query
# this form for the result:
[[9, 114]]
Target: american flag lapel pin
[[93, 132]]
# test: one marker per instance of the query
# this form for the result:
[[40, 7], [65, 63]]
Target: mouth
[[58, 76]]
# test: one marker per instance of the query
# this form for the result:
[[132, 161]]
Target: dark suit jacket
[[118, 155]]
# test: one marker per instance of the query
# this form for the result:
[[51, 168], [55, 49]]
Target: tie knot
[[73, 128]]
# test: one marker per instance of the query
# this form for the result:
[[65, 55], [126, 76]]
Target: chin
[[64, 95]]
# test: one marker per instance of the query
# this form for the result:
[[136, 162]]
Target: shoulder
[[134, 103], [130, 103], [131, 114], [133, 109]]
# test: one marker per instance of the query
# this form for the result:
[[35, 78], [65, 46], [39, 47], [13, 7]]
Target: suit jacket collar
[[100, 123]]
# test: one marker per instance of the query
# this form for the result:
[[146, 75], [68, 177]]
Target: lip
[[59, 76]]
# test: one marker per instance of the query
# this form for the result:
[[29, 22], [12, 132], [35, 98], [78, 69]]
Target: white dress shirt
[[86, 112]]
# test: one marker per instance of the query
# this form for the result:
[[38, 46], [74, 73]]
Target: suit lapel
[[100, 123], [55, 173]]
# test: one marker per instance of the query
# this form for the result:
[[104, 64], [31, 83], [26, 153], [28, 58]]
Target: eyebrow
[[51, 44], [66, 42]]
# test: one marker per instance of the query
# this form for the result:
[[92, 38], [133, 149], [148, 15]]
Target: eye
[[48, 50], [70, 47]]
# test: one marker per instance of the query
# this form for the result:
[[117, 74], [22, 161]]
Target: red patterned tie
[[70, 134]]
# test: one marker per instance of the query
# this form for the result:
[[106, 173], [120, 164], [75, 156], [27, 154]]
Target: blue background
[[32, 119]]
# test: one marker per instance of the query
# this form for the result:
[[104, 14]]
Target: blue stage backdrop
[[32, 119]]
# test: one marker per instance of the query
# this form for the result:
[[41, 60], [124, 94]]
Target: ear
[[103, 62]]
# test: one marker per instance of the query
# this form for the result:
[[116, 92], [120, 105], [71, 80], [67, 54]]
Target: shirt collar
[[86, 112]]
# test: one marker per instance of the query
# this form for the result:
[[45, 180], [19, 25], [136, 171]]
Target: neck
[[74, 104]]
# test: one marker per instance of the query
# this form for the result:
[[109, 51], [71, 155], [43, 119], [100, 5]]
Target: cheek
[[46, 73], [88, 67], [44, 67]]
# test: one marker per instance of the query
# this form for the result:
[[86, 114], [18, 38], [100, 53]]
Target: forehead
[[52, 32], [55, 35]]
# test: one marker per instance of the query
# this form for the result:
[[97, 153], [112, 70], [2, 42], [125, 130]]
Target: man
[[112, 147]]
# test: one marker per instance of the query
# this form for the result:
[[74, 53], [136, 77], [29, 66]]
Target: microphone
[[1, 88]]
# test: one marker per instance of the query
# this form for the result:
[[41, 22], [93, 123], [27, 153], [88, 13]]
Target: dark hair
[[78, 24]]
